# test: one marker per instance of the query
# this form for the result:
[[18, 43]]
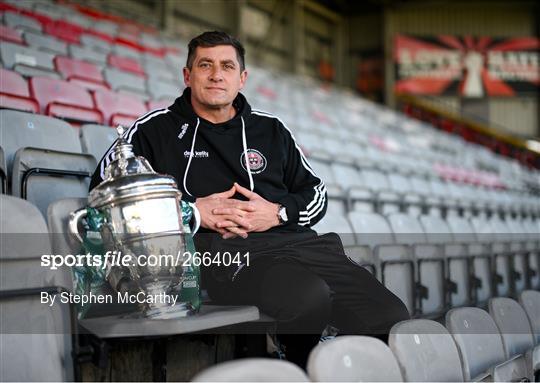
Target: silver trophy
[[143, 225]]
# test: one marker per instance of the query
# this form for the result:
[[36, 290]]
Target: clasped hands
[[232, 217]]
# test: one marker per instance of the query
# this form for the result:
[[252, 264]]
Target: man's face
[[215, 77]]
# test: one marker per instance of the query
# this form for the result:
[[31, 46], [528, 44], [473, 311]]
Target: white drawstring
[[244, 142], [191, 156]]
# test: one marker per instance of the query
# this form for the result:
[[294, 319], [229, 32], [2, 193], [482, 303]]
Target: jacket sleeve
[[307, 201], [141, 147]]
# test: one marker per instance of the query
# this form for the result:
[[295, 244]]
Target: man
[[245, 173]]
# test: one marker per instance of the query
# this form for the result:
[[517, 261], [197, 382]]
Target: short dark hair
[[212, 39]]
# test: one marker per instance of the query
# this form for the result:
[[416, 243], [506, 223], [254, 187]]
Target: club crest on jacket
[[256, 160]]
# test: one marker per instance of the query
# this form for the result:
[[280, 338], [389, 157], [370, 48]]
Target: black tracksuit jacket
[[279, 171]]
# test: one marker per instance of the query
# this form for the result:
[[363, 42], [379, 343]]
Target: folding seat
[[515, 329], [11, 35], [157, 69], [95, 43], [388, 201], [412, 202], [3, 171], [324, 171], [87, 54], [159, 90], [65, 100], [82, 73], [64, 30], [16, 20], [27, 61], [118, 108], [313, 146], [159, 104], [350, 181], [425, 352], [394, 263], [530, 301], [106, 27], [532, 247], [505, 250], [45, 43], [123, 81], [252, 370], [430, 264], [14, 92], [353, 359], [97, 139], [440, 190], [36, 339], [43, 158], [458, 263], [127, 51], [125, 64], [481, 348]]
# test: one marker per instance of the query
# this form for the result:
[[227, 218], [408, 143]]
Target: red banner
[[467, 66]]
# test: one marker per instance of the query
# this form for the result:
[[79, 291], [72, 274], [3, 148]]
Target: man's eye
[[204, 65]]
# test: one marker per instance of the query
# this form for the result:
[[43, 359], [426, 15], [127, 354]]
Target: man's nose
[[216, 74]]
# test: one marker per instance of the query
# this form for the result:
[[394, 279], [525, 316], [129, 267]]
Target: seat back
[[118, 108], [97, 139], [36, 337], [14, 93], [353, 359], [530, 301], [27, 61], [87, 54], [43, 176], [425, 351], [46, 43], [513, 325], [159, 90], [477, 338], [3, 172], [16, 20], [125, 81], [252, 370]]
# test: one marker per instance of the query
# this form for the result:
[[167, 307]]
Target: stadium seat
[[515, 329], [80, 72], [16, 20], [97, 139], [125, 64], [387, 201], [159, 90], [412, 202], [45, 43], [522, 259], [65, 31], [430, 264], [11, 35], [252, 370], [36, 338], [123, 81], [14, 93], [27, 61], [64, 100], [118, 108], [425, 352], [479, 343], [158, 70], [3, 171], [394, 263], [126, 51], [530, 301], [158, 104], [458, 265], [353, 359], [88, 54]]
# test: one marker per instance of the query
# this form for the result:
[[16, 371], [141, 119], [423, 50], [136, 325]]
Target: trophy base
[[168, 312]]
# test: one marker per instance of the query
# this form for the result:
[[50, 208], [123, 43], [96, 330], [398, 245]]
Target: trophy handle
[[197, 218], [73, 223]]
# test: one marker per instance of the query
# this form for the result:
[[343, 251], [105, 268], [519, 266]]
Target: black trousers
[[305, 282]]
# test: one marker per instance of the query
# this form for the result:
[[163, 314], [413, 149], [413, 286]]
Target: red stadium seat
[[11, 35], [126, 64], [14, 92], [64, 100], [80, 72], [118, 108], [64, 30]]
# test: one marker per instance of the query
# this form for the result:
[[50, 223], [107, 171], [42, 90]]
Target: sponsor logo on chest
[[197, 154]]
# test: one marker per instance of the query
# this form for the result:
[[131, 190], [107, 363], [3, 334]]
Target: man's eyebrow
[[228, 61]]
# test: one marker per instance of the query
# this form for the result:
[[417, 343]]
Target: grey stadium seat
[[253, 370], [163, 90], [425, 352], [394, 262], [15, 20], [515, 330], [530, 300], [430, 270], [88, 54], [119, 80], [3, 171], [95, 43], [97, 139], [46, 43], [353, 359], [36, 338], [25, 130], [27, 61], [480, 346]]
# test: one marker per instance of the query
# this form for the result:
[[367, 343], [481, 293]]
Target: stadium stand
[[448, 226]]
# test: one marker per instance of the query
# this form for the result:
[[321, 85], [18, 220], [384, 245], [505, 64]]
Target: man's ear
[[243, 78], [186, 72]]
